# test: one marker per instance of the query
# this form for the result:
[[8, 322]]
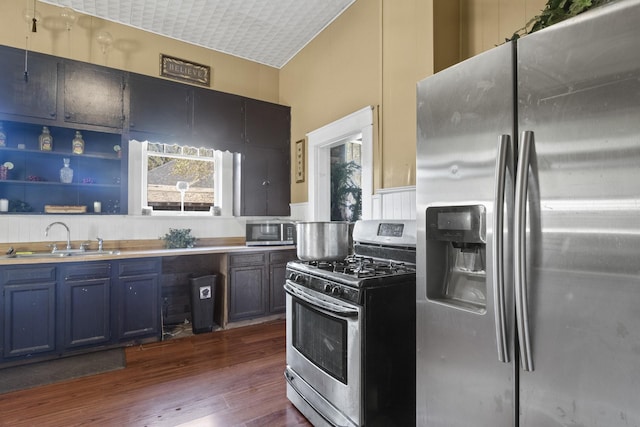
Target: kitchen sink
[[61, 254], [38, 255], [98, 253]]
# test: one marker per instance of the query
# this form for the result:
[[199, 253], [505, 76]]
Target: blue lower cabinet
[[51, 310], [86, 304], [139, 313], [29, 319]]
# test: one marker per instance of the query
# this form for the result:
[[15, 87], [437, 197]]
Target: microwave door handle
[[323, 306], [520, 255], [504, 166]]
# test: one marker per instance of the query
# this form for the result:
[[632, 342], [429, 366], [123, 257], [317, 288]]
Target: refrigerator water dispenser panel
[[456, 257]]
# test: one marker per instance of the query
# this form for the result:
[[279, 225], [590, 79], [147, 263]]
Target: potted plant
[[179, 238]]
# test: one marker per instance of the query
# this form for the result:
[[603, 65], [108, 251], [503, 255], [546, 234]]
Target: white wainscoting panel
[[300, 211], [395, 203], [388, 203]]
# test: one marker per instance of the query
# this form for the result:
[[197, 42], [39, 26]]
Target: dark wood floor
[[225, 378]]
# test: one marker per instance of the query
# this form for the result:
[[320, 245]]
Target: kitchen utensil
[[322, 241]]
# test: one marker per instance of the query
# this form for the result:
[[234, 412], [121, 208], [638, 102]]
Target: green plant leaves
[[556, 11], [179, 238]]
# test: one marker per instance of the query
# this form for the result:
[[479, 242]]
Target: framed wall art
[[300, 160], [185, 71]]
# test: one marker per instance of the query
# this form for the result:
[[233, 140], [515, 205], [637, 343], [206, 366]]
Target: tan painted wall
[[487, 23], [374, 54], [338, 73], [132, 50]]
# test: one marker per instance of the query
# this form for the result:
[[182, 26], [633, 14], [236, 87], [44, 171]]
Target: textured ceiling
[[270, 32]]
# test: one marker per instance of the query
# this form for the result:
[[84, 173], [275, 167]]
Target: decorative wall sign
[[179, 69], [300, 161]]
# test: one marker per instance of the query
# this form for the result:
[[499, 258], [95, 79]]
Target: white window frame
[[359, 123], [137, 197]]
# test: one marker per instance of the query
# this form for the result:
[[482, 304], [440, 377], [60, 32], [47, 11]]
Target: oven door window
[[321, 338]]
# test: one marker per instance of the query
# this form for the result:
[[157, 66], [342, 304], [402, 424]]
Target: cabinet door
[[279, 183], [159, 107], [34, 96], [267, 125], [247, 292], [87, 312], [265, 185], [277, 276], [277, 297], [253, 185], [86, 303], [93, 95], [218, 120], [139, 306], [29, 314]]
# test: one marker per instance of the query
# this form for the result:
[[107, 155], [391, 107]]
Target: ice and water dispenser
[[456, 256]]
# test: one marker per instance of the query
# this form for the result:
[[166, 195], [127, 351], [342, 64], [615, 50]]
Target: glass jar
[[45, 140], [77, 144], [3, 137], [66, 173]]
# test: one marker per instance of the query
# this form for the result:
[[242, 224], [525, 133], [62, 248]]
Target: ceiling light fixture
[[31, 16], [105, 40], [69, 17]]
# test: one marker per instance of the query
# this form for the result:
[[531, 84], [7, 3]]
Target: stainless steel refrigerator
[[528, 212]]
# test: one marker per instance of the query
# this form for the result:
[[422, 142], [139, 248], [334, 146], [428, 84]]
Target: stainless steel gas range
[[351, 331]]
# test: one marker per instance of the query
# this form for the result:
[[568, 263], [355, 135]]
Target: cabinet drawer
[[138, 266], [282, 257], [87, 271], [29, 274], [247, 259]]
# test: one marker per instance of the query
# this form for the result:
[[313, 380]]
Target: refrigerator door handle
[[520, 255], [504, 166]]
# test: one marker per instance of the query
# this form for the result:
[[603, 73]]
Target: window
[[179, 179]]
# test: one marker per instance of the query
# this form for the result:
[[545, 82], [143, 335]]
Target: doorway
[[356, 128], [346, 181]]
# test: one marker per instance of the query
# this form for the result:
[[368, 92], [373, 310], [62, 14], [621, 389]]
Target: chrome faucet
[[46, 233]]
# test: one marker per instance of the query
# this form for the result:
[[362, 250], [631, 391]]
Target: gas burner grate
[[362, 266]]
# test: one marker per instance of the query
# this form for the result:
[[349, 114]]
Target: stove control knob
[[336, 290], [327, 287], [295, 277]]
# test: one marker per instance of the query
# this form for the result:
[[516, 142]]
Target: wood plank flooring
[[225, 378]]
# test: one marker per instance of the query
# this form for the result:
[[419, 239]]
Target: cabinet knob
[[266, 183]]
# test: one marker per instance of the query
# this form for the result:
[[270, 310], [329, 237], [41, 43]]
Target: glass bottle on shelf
[[77, 143], [66, 173], [45, 140], [3, 136]]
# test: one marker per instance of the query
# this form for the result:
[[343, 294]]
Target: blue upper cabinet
[[267, 125], [93, 95], [28, 84], [159, 108], [218, 120]]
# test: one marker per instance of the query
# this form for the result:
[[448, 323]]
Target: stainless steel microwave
[[268, 233]]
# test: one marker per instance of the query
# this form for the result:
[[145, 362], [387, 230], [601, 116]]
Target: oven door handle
[[334, 309]]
